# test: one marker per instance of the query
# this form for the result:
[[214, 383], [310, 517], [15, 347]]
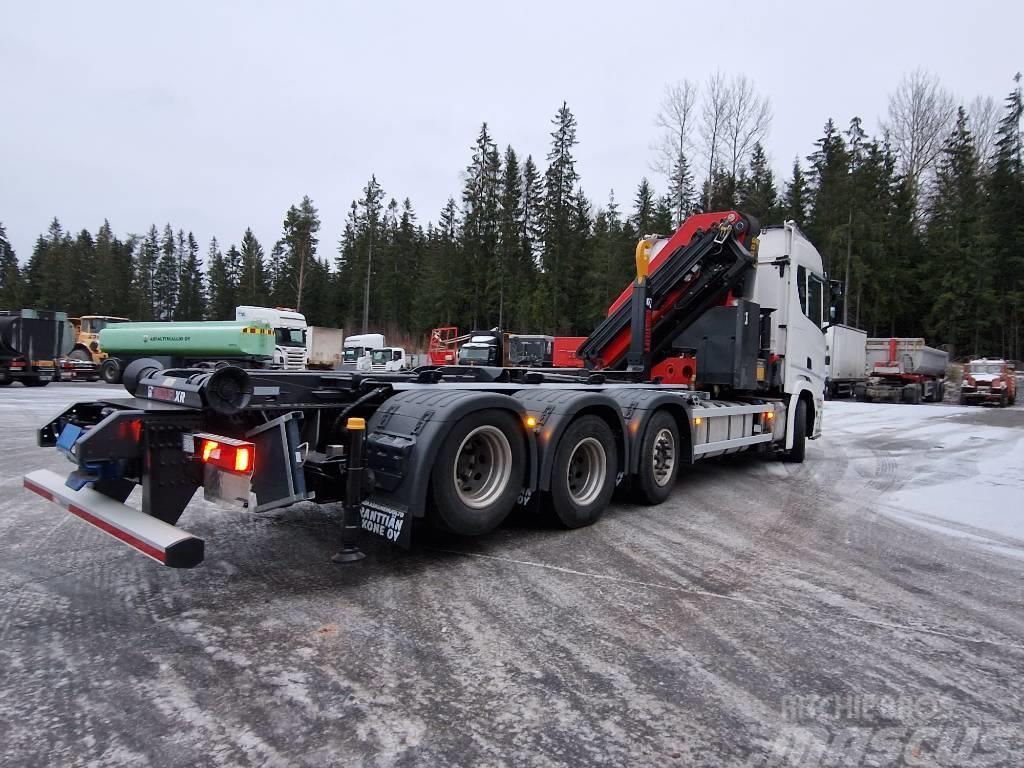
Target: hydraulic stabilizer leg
[[354, 472], [639, 357]]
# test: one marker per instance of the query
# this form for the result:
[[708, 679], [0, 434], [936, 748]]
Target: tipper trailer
[[903, 370], [462, 446]]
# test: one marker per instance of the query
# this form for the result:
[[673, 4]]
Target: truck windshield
[[352, 354], [985, 368], [474, 354], [290, 337], [380, 356], [97, 324]]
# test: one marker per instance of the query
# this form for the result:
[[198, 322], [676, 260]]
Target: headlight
[[998, 385]]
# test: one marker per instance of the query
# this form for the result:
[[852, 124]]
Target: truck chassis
[[459, 446]]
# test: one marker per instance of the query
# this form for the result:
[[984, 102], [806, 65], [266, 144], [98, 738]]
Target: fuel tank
[[204, 338]]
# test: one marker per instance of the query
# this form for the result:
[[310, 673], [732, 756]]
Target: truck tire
[[478, 473], [110, 371], [82, 354], [911, 394], [1003, 400], [860, 392], [583, 474], [34, 381], [799, 449], [659, 459]]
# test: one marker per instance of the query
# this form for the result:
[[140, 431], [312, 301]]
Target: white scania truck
[[716, 347], [290, 353]]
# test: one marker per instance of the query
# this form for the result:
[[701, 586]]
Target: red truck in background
[[988, 381]]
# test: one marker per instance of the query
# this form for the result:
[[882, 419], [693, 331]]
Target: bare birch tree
[[675, 118], [714, 117], [920, 116], [748, 118], [983, 118]]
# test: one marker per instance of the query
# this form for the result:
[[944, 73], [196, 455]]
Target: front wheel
[[478, 473], [110, 372], [583, 474], [659, 459], [797, 452]]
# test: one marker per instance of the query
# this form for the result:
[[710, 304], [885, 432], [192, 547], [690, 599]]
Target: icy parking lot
[[957, 469], [863, 608]]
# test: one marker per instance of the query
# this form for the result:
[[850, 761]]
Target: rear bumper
[[154, 538]]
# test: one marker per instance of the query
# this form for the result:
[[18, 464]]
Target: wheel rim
[[483, 467], [663, 457], [587, 470]]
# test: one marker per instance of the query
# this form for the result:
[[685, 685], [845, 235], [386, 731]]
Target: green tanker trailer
[[209, 343]]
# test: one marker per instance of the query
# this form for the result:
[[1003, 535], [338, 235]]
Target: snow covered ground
[[961, 468]]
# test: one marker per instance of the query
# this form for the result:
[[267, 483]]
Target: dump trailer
[[903, 370], [846, 348], [247, 343], [32, 343], [459, 447]]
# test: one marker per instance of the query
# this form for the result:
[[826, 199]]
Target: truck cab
[[483, 348], [388, 359], [790, 280], [357, 349], [988, 380], [87, 336], [290, 353]]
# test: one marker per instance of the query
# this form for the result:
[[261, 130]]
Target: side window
[[815, 294]]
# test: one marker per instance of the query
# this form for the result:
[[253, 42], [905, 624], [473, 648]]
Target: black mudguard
[[554, 409], [402, 438]]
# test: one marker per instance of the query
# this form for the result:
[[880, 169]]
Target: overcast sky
[[215, 116]]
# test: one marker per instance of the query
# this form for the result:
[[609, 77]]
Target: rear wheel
[[911, 394], [81, 354], [110, 371], [583, 475], [35, 381], [659, 459], [478, 473], [796, 453]]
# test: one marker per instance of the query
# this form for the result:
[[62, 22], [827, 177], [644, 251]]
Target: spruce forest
[[923, 222]]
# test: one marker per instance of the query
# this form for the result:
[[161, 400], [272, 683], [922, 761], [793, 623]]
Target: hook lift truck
[[715, 348]]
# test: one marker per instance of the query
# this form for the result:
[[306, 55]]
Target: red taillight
[[243, 460], [225, 453]]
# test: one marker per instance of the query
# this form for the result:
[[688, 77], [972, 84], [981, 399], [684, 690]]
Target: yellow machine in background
[[87, 336]]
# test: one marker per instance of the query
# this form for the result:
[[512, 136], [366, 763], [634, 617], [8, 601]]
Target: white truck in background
[[357, 349], [289, 334], [324, 347], [846, 359], [369, 352]]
